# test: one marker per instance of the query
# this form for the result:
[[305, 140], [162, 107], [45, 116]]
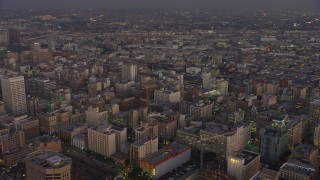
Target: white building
[[102, 140], [14, 95]]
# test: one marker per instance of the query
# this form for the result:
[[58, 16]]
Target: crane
[[202, 141]]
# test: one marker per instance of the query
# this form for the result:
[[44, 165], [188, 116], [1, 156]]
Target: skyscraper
[[14, 95], [274, 142], [129, 72]]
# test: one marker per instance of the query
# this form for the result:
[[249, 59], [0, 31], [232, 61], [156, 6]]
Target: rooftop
[[246, 155], [165, 154], [299, 166], [49, 159]]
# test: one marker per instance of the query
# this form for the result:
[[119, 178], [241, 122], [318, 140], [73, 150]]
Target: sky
[[189, 4]]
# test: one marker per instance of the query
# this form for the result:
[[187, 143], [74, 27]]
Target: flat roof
[[298, 166], [248, 156], [165, 154], [49, 159]]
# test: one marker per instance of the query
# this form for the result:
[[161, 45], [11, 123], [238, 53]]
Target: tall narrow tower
[[14, 95]]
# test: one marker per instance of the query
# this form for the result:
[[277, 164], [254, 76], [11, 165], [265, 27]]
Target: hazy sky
[[214, 4]]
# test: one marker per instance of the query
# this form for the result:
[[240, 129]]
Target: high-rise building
[[48, 165], [29, 125], [307, 152], [129, 72], [243, 165], [316, 136], [167, 96], [14, 36], [299, 94], [14, 95], [121, 136], [141, 148], [102, 140], [136, 116], [40, 87], [4, 37], [94, 116], [274, 142], [12, 141], [145, 130], [314, 111], [214, 85], [295, 130]]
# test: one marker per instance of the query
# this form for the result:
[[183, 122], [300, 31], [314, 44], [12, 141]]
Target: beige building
[[29, 125], [137, 115], [228, 139], [316, 136], [68, 131], [167, 96], [201, 110], [121, 136], [145, 130], [295, 131], [94, 116], [102, 140], [45, 143], [243, 165], [12, 142], [167, 124], [14, 95], [141, 148], [48, 165], [48, 123], [314, 111], [295, 169], [306, 152]]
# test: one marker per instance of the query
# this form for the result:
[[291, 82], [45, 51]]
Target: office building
[[12, 141], [306, 152], [295, 132], [316, 136], [129, 72], [121, 136], [274, 142], [4, 37], [161, 95], [29, 125], [243, 165], [299, 94], [145, 130], [48, 165], [102, 140], [68, 131], [142, 148], [14, 95], [40, 87], [94, 116], [45, 143], [298, 169], [165, 160], [314, 111]]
